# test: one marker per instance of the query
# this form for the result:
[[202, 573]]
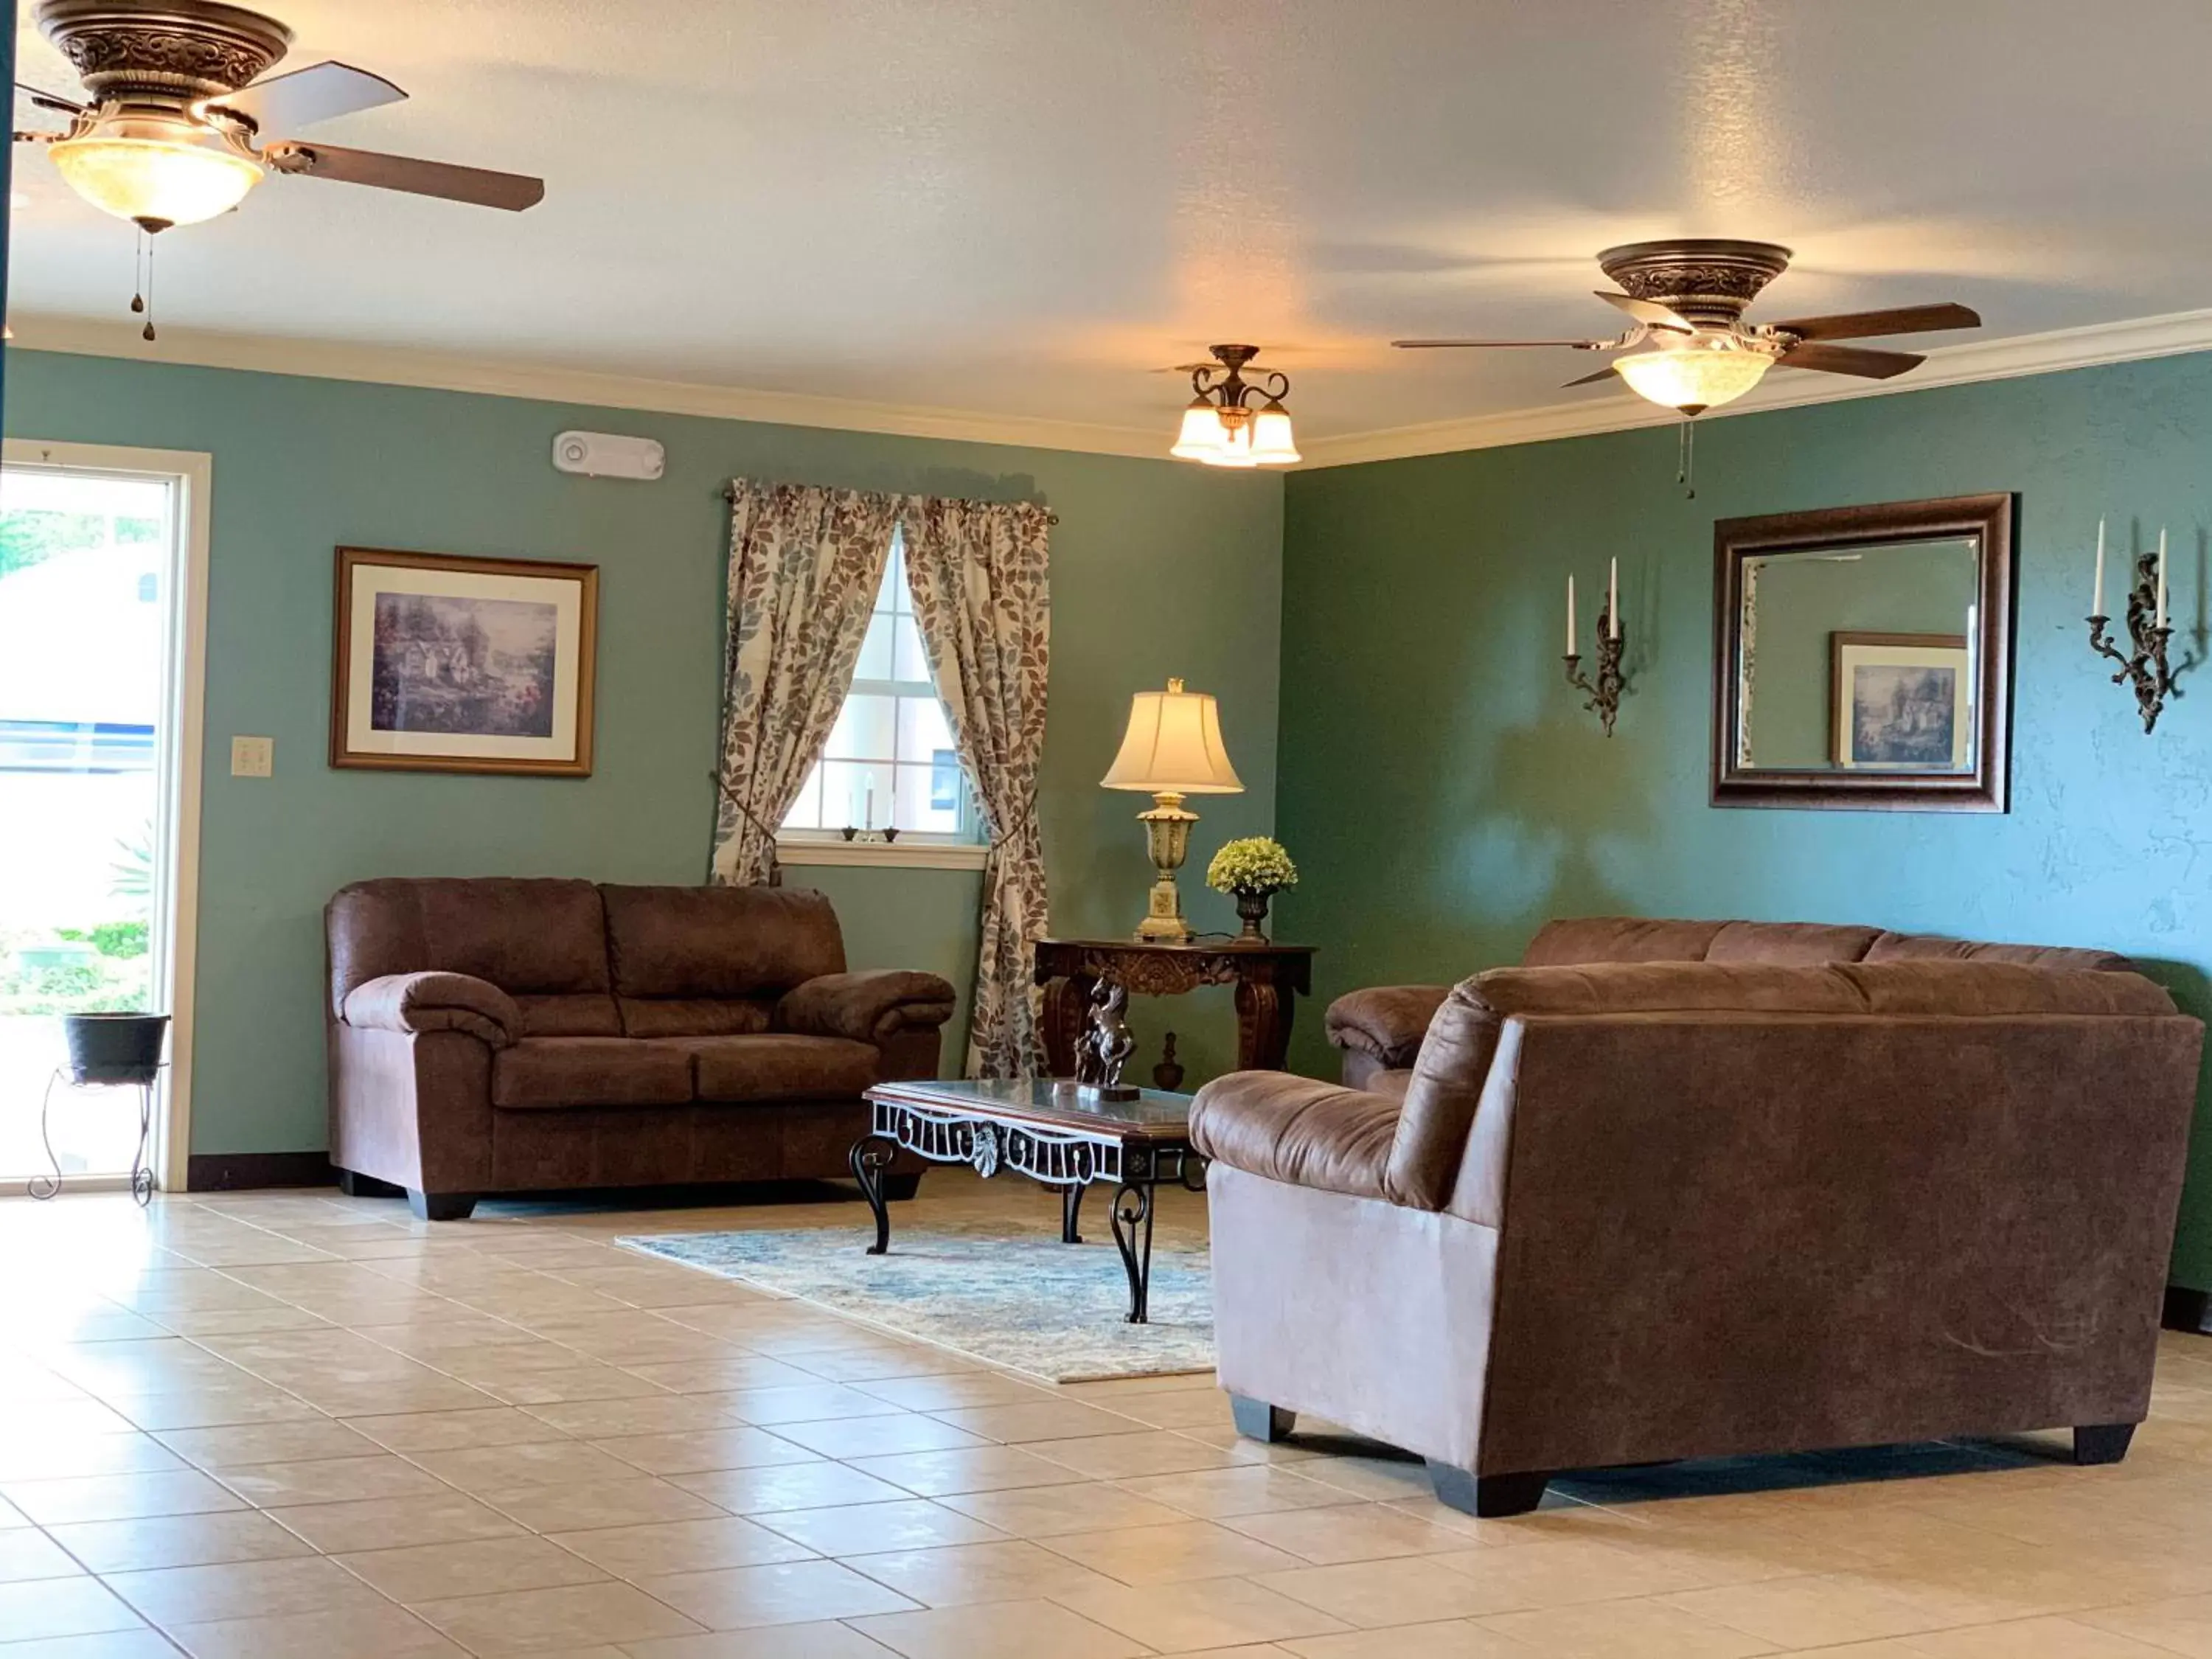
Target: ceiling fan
[[176, 123], [1686, 299]]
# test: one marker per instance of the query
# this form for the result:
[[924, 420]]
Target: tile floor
[[278, 1424]]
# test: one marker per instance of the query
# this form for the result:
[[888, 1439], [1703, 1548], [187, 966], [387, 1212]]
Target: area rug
[[1024, 1301]]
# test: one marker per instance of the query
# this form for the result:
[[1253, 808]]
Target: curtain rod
[[730, 495]]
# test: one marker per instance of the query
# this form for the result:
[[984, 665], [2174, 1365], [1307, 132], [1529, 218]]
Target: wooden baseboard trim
[[235, 1172]]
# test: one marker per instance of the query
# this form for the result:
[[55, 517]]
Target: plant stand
[[142, 1173]]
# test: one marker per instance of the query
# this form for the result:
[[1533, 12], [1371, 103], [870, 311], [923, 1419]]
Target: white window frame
[[191, 474], [915, 849]]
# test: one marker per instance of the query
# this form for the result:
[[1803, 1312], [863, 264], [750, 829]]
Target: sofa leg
[[352, 1184], [1490, 1496], [440, 1207], [896, 1187], [1257, 1420], [2102, 1442]]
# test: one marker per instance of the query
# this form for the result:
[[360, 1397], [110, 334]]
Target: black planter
[[115, 1048]]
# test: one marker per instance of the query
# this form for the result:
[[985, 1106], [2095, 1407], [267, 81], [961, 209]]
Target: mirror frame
[[1988, 521]]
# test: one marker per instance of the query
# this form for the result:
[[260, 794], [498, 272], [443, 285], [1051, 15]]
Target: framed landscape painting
[[453, 665], [1901, 701]]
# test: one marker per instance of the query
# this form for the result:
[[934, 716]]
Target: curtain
[[977, 570], [805, 566]]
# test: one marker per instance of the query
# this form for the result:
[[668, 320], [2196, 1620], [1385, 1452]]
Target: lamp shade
[[1201, 433], [1692, 378], [1173, 746], [156, 171]]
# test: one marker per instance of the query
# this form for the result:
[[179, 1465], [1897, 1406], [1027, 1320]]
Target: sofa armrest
[[434, 1002], [868, 1007], [1297, 1131], [1385, 1021]]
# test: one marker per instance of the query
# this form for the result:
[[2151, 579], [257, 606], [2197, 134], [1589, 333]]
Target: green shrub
[[120, 939]]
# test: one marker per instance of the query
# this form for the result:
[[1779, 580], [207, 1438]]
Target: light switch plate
[[252, 758]]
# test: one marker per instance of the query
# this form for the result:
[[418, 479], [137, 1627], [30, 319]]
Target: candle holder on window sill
[[2143, 666], [885, 836], [1603, 694]]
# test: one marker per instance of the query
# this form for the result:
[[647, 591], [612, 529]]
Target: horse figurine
[[1108, 1044]]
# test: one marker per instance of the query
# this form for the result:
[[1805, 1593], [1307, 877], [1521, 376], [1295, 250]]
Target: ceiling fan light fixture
[[1695, 377], [157, 173], [1221, 426]]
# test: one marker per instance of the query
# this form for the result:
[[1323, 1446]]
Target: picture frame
[[1899, 701], [442, 663]]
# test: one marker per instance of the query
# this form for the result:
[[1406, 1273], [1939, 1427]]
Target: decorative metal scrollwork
[[983, 1150]]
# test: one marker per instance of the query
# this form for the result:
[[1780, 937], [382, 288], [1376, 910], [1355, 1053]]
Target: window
[[891, 760]]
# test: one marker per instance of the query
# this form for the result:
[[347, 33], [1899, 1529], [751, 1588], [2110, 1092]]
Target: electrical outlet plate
[[252, 758]]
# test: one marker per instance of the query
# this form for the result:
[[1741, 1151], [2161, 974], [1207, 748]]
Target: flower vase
[[1253, 908]]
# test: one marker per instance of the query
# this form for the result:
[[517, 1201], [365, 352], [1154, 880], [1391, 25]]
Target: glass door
[[89, 623]]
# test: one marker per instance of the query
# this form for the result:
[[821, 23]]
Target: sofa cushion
[[1385, 1023], [1891, 988], [579, 1015], [565, 1070], [527, 937], [1619, 938], [1297, 1131], [434, 1002], [1442, 1093], [1920, 947], [779, 1066], [719, 941], [1790, 943], [659, 1017]]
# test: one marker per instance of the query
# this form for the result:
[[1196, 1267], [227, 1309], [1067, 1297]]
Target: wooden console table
[[1265, 978]]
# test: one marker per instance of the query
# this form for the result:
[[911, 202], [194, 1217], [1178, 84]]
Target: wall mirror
[[1861, 657]]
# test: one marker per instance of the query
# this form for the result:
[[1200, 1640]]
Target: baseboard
[[2187, 1310], [234, 1172]]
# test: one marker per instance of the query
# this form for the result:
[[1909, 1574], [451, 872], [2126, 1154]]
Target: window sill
[[895, 855]]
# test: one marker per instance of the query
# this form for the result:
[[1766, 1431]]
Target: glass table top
[[1043, 1100]]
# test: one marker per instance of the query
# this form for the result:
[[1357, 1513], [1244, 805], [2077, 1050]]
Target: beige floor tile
[[586, 1381], [958, 1574], [1253, 1489], [39, 1450], [2181, 1625], [911, 1523], [1171, 1553], [698, 1451], [1124, 1456], [245, 1444], [177, 1540], [782, 1592], [433, 1572], [1176, 1408], [119, 1496], [658, 1549], [958, 1391], [203, 1408], [529, 1463], [170, 1596], [815, 1402], [381, 1631], [1627, 1629], [818, 1485], [1048, 1511], [142, 1644], [984, 1468], [1808, 1613], [442, 1516], [27, 1553], [1454, 1638], [738, 1371], [1209, 1612], [1402, 1589], [998, 1630], [647, 1413], [432, 1431], [46, 1607], [826, 1640], [1355, 1532], [1046, 1419], [329, 1481], [524, 1621], [578, 1507], [2034, 1638], [879, 1436]]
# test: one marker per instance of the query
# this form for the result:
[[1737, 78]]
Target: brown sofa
[[500, 1035], [1688, 1190]]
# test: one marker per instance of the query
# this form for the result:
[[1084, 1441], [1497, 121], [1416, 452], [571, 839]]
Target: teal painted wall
[[1158, 568], [1444, 793]]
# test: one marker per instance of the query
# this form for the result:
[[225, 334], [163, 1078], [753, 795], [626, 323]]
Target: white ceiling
[[1018, 210]]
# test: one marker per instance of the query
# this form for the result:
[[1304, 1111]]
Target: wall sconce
[[1603, 694], [2143, 666]]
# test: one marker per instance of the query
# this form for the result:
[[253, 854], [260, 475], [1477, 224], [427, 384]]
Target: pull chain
[[138, 273], [1686, 464], [148, 332]]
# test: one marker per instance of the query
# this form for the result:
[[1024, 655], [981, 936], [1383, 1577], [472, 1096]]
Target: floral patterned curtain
[[977, 570], [805, 566]]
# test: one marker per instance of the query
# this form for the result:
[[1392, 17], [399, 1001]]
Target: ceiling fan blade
[[1865, 325], [1578, 345], [479, 186], [1850, 360], [1591, 379], [321, 92], [49, 100], [1650, 312]]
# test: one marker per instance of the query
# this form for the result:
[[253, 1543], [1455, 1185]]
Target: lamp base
[[1167, 840]]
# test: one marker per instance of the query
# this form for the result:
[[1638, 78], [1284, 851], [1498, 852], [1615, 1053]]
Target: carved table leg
[[871, 1155], [1133, 1236], [1263, 1026], [1071, 1213], [1066, 1001]]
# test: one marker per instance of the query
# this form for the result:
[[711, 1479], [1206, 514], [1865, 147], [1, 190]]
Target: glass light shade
[[1236, 448], [1272, 442], [1693, 378], [148, 172], [1202, 433], [1174, 745]]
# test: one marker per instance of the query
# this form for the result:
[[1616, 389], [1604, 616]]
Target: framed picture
[[1902, 702], [453, 665]]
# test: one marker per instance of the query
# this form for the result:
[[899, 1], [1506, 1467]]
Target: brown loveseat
[[1687, 1189], [500, 1035]]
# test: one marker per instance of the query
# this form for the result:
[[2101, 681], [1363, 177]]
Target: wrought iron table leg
[[871, 1154], [1071, 1213], [1133, 1236], [142, 1172], [47, 1186]]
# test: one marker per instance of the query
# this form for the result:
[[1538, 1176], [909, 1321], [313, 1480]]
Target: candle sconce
[[2143, 666], [885, 836], [1602, 694]]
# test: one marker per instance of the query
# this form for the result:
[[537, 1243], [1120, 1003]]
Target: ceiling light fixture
[[1699, 373], [1221, 428], [155, 170]]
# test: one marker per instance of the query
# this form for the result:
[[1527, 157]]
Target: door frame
[[180, 760]]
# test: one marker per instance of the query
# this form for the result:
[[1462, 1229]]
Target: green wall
[[1445, 794], [1158, 568]]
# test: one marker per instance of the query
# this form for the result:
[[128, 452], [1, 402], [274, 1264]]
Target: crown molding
[[397, 366], [1980, 360]]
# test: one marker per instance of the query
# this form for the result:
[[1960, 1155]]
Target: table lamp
[[1172, 748]]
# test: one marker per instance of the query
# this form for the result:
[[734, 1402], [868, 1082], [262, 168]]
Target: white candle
[[868, 818], [1612, 597], [2161, 575], [1570, 615], [2097, 605]]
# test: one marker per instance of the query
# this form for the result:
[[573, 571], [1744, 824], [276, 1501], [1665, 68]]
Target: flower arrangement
[[1253, 866]]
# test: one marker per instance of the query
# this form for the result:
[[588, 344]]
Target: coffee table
[[1047, 1132]]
